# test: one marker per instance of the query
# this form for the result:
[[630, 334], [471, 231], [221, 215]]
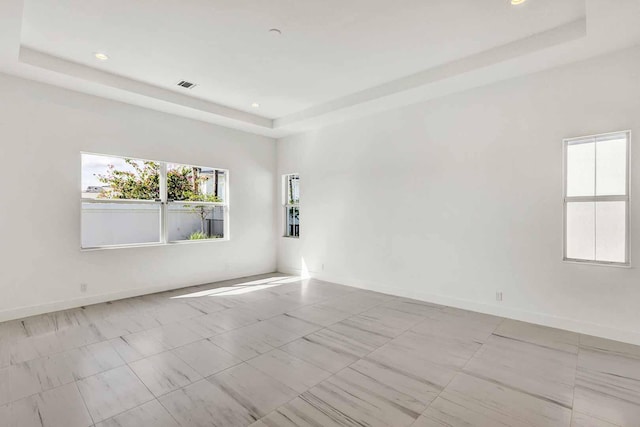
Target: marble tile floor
[[274, 350]]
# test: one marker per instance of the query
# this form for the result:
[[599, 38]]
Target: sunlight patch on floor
[[241, 288]]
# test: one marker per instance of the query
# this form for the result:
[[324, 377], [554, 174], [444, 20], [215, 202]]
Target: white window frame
[[619, 198], [287, 205], [163, 203]]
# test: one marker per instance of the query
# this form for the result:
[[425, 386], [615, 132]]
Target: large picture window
[[129, 201], [291, 193], [596, 199]]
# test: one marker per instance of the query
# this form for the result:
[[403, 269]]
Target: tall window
[[292, 205], [596, 199], [133, 202]]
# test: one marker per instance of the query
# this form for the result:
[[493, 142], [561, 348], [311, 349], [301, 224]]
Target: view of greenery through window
[[292, 205], [143, 183], [194, 196]]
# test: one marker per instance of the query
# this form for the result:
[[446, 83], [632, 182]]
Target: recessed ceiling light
[[255, 105], [517, 2], [101, 56], [275, 31]]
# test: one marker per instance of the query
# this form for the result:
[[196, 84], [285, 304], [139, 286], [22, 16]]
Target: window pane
[[581, 230], [190, 221], [581, 169], [293, 190], [105, 177], [611, 167], [293, 222], [185, 182], [611, 231], [106, 224]]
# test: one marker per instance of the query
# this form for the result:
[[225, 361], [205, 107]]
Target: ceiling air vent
[[186, 84]]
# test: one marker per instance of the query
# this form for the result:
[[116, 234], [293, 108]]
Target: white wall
[[43, 129], [472, 185]]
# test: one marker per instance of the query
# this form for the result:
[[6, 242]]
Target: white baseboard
[[587, 328], [34, 310], [582, 327]]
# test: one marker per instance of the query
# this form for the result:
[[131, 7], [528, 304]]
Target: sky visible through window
[[93, 165]]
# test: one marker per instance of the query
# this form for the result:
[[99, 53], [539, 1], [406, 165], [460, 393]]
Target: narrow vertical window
[[291, 193], [596, 199]]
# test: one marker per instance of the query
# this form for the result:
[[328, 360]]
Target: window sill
[[153, 245], [597, 264], [291, 237]]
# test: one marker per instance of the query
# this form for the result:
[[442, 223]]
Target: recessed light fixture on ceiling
[[255, 105], [275, 31], [100, 56], [517, 2]]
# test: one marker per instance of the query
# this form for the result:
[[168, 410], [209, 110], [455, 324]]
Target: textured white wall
[[472, 185], [43, 129]]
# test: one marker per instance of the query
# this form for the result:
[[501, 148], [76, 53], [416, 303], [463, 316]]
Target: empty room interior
[[280, 213]]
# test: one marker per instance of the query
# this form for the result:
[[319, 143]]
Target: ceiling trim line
[[534, 43]]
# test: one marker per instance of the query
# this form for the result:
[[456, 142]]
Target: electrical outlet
[[499, 296], [83, 287]]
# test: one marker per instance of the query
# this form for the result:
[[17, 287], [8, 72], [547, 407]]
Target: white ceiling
[[328, 48], [336, 59]]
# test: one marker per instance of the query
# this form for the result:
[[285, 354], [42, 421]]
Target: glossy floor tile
[[539, 371], [555, 339], [459, 324], [608, 381], [581, 420], [149, 414], [364, 399], [62, 406], [278, 351], [164, 373], [472, 401], [113, 392], [202, 404], [330, 349], [399, 379], [289, 370], [206, 358], [256, 391], [431, 360], [323, 316]]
